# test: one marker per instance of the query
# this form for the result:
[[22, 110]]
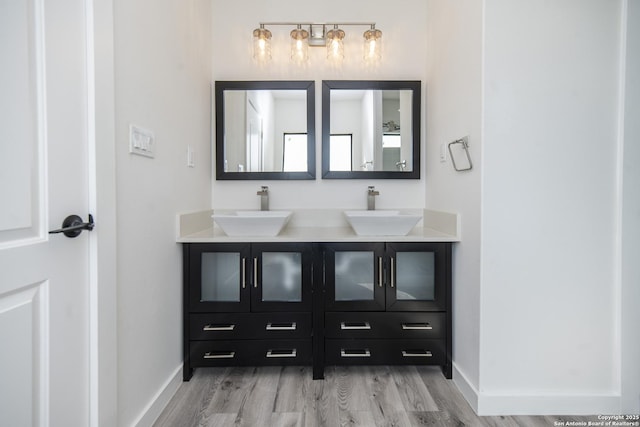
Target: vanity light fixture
[[307, 34], [299, 45], [335, 45], [262, 44], [372, 45]]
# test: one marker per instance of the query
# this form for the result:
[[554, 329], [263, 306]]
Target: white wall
[[537, 285], [454, 101], [349, 117], [630, 231], [290, 117], [541, 111], [236, 154], [403, 26], [162, 75], [549, 307], [365, 151]]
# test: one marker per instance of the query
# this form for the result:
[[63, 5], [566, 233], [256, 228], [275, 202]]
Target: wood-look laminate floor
[[348, 396]]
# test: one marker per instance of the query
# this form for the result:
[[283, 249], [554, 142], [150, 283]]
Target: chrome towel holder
[[465, 147]]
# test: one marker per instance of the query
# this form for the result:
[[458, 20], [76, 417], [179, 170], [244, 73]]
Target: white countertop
[[319, 225]]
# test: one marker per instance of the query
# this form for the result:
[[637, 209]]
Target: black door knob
[[73, 225]]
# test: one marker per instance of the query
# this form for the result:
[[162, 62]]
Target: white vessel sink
[[381, 223], [252, 223]]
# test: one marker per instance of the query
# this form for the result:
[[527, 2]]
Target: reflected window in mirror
[[294, 156], [265, 130], [383, 119], [341, 149]]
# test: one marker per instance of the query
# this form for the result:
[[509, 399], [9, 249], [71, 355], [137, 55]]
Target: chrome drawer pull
[[355, 353], [354, 325], [229, 355], [416, 353], [281, 326], [282, 353], [218, 327], [255, 272], [416, 326], [393, 274], [380, 271], [244, 272]]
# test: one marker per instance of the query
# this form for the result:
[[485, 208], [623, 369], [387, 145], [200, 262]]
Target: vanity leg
[[187, 370], [318, 315], [447, 370], [187, 373]]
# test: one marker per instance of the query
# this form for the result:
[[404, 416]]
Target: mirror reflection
[[371, 129], [265, 130]]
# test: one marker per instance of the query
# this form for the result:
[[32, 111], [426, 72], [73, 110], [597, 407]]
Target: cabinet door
[[218, 277], [416, 277], [354, 276], [281, 276]]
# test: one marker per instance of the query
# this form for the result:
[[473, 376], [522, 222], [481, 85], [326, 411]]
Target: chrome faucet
[[264, 198], [371, 198]]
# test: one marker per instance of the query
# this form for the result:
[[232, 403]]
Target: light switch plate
[[141, 141], [190, 157]]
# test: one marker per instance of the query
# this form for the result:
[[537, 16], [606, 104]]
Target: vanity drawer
[[250, 352], [424, 325], [384, 352], [234, 326]]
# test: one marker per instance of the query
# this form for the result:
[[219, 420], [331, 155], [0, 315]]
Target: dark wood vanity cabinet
[[317, 303], [247, 304], [386, 303]]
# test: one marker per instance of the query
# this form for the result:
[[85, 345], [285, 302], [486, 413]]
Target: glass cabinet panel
[[282, 276], [220, 276], [354, 275], [415, 276]]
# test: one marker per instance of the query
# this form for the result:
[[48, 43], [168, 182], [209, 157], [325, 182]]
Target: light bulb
[[372, 45], [299, 45], [261, 44], [335, 45]]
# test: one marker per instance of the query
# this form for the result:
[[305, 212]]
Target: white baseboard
[[485, 404], [157, 404], [468, 390], [548, 404]]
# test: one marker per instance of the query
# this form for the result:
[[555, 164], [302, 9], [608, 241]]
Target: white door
[[44, 176]]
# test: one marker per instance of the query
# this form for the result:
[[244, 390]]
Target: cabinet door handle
[[393, 280], [282, 353], [220, 355], [354, 325], [281, 326], [380, 271], [255, 272], [244, 273], [416, 326], [355, 353], [228, 327], [416, 353]]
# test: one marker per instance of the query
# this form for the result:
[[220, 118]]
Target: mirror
[[265, 130], [370, 129]]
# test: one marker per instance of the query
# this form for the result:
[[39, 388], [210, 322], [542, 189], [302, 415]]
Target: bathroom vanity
[[317, 295], [247, 304], [386, 303], [323, 286]]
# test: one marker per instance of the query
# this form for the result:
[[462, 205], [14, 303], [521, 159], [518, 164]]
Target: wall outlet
[[141, 141]]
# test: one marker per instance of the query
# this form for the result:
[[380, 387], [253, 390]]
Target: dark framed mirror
[[265, 130], [371, 129]]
